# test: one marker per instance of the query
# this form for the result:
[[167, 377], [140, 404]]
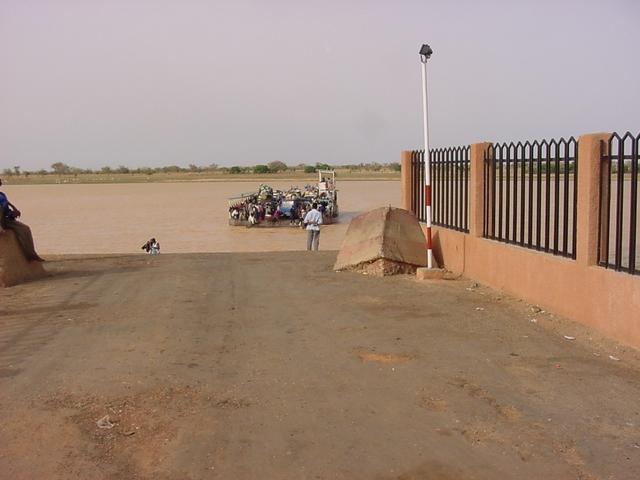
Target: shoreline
[[89, 179]]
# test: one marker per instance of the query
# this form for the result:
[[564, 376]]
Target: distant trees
[[60, 168], [261, 169], [277, 166], [318, 166]]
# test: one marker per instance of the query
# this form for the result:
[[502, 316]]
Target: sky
[[154, 82]]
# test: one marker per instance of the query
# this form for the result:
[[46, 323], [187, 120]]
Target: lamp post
[[425, 54]]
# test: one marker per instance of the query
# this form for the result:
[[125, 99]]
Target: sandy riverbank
[[173, 177]]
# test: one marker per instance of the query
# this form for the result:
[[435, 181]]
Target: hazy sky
[[93, 83]]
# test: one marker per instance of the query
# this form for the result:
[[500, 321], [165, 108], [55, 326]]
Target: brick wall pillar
[[589, 165], [406, 182], [476, 188]]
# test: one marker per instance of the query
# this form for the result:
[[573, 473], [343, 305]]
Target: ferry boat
[[277, 208]]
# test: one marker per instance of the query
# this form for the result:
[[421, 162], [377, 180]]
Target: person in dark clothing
[[9, 214]]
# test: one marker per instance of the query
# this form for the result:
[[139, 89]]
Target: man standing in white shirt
[[313, 220]]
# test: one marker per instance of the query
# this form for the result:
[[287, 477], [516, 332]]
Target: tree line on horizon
[[60, 168]]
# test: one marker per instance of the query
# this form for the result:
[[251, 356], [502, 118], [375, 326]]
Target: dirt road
[[272, 366]]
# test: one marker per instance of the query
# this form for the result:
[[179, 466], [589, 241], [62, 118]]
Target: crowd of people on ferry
[[270, 211], [275, 206]]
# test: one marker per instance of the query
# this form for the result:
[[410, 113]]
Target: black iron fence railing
[[619, 228], [417, 185], [449, 187], [530, 192]]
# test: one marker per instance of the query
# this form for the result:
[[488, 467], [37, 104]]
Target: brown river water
[[184, 217]]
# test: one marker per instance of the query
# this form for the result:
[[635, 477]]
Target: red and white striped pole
[[425, 54]]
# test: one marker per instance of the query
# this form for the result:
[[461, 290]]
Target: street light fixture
[[425, 54]]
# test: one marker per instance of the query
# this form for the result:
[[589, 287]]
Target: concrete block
[[424, 273], [385, 233]]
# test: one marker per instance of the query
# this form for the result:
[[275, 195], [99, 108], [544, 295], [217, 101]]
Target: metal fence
[[618, 226], [417, 185], [530, 192], [449, 187]]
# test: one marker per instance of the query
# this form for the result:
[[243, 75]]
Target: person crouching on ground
[[152, 247], [8, 215], [313, 220]]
